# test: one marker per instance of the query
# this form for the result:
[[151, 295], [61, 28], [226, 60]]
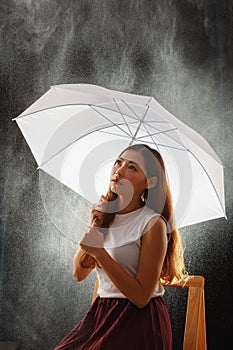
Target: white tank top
[[123, 243]]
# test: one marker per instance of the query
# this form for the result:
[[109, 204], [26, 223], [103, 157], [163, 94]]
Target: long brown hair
[[158, 199]]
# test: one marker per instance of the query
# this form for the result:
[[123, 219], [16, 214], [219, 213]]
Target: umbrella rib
[[109, 120], [114, 100], [169, 136], [147, 122], [155, 133], [114, 134], [156, 122], [65, 105], [82, 104], [140, 123], [151, 121], [148, 101], [142, 120], [79, 138], [151, 137], [156, 146], [209, 180], [131, 109], [163, 145]]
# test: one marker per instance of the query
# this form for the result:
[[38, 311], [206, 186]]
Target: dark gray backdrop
[[178, 51]]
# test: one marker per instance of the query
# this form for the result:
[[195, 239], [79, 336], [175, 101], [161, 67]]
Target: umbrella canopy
[[75, 131]]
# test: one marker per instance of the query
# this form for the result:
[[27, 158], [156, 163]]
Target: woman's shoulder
[[151, 217], [150, 213]]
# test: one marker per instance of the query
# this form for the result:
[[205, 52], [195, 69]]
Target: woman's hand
[[92, 241], [97, 212]]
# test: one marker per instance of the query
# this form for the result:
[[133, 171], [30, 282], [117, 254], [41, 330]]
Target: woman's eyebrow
[[128, 160]]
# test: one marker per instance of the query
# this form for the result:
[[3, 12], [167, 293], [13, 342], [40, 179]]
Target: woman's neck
[[124, 207]]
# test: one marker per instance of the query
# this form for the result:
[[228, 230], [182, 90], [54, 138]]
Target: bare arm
[[96, 220], [153, 249], [79, 272]]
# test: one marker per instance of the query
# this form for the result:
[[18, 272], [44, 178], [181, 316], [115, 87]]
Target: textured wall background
[[180, 52]]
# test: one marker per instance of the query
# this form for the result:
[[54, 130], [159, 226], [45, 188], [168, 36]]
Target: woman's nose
[[120, 170]]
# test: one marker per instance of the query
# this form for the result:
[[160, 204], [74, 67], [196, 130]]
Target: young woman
[[135, 248]]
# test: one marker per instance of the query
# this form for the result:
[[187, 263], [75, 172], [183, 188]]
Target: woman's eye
[[132, 167], [117, 162]]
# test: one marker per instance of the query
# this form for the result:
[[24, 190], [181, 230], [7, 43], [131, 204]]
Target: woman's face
[[128, 175]]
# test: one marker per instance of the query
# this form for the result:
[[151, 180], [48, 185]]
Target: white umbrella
[[75, 131]]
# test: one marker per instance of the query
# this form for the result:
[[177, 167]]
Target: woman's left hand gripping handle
[[97, 212], [93, 238]]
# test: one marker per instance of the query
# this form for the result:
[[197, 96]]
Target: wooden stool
[[195, 324]]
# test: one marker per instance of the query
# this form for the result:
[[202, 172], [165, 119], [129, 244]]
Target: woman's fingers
[[92, 238], [96, 218], [101, 206], [97, 212]]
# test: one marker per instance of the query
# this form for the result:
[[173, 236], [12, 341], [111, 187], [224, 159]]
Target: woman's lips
[[115, 181]]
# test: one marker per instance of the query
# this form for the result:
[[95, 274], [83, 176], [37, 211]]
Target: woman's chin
[[114, 188]]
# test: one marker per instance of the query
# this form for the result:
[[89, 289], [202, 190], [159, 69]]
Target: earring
[[144, 195]]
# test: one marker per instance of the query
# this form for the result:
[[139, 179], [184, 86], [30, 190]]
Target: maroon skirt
[[117, 324]]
